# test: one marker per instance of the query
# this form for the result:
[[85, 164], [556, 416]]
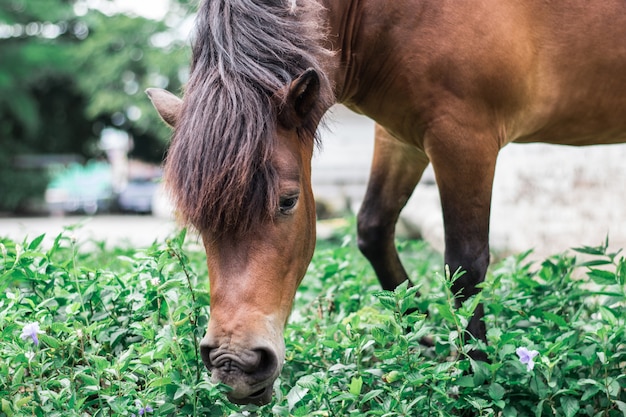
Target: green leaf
[[609, 315], [401, 290], [496, 391], [344, 396], [388, 301], [466, 381], [591, 250], [621, 272], [6, 408], [308, 381], [88, 379], [602, 277], [100, 363], [23, 401], [613, 388], [118, 404], [181, 391], [621, 406], [356, 384], [179, 240], [590, 392], [539, 408], [509, 411], [125, 358], [58, 327], [446, 312], [166, 409], [36, 242], [554, 318], [595, 262], [295, 395], [50, 341], [371, 395], [570, 406], [203, 298], [481, 372], [168, 285], [160, 382], [19, 375], [500, 404]]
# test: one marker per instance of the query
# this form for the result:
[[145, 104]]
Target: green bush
[[119, 334]]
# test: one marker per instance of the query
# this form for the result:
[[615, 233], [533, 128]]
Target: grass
[[120, 330]]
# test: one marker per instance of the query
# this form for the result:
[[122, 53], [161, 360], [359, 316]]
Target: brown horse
[[448, 83]]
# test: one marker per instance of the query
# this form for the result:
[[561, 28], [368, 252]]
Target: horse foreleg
[[396, 170], [464, 164]]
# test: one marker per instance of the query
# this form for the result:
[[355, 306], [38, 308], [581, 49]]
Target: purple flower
[[30, 331], [143, 410], [146, 409], [526, 357]]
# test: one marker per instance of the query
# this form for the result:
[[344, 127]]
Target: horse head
[[254, 271]]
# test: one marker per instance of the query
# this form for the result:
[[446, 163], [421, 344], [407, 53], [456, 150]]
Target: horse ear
[[303, 93], [167, 105]]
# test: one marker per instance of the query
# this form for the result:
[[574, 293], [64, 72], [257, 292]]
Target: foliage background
[[68, 71]]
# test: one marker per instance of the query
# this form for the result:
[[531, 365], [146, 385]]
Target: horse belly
[[578, 119], [579, 93]]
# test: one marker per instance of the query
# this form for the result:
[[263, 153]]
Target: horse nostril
[[205, 353], [260, 363], [267, 362]]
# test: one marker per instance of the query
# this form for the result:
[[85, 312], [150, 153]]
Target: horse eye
[[287, 204]]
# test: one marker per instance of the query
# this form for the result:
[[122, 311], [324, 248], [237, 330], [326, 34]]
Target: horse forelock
[[245, 53]]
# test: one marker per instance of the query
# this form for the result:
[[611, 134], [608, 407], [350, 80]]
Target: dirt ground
[[127, 230]]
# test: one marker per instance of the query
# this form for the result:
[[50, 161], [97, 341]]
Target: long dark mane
[[245, 54]]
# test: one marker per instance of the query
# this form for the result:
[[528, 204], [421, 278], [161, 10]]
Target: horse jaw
[[167, 105]]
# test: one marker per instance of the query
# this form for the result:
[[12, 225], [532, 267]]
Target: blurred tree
[[68, 71], [121, 57]]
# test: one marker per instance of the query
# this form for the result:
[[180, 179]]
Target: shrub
[[119, 332]]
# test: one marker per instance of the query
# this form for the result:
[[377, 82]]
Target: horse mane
[[244, 55]]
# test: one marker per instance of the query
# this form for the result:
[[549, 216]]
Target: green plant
[[119, 334]]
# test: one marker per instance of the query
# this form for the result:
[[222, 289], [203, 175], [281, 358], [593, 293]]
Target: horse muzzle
[[250, 373]]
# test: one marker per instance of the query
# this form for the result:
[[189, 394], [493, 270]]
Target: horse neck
[[340, 18], [353, 29]]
